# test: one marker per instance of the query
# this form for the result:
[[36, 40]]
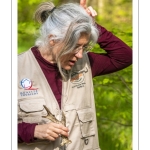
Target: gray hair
[[66, 23]]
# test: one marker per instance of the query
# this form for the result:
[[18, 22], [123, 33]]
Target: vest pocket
[[31, 108], [86, 122], [81, 124]]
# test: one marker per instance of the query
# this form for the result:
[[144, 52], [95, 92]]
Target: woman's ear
[[51, 42]]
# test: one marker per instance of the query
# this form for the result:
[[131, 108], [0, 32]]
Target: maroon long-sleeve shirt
[[118, 56]]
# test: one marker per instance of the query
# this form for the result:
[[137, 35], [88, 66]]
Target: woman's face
[[69, 60]]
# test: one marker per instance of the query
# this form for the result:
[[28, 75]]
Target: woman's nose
[[79, 54]]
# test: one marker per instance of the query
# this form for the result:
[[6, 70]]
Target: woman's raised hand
[[88, 9]]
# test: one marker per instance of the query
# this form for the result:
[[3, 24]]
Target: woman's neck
[[47, 55]]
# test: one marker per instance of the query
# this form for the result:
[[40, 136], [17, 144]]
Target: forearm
[[118, 54], [116, 49], [26, 132]]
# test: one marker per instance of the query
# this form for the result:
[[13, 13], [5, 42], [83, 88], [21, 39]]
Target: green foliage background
[[113, 92]]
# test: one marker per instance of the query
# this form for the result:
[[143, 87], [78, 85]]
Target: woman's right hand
[[50, 131], [89, 9]]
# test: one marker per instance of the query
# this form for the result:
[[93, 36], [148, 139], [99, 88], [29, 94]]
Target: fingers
[[50, 131], [52, 136], [56, 130], [83, 3], [91, 11], [60, 129]]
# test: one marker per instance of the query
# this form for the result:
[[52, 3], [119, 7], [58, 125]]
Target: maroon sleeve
[[26, 132], [118, 54]]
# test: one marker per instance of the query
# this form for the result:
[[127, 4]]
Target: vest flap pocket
[[32, 105], [85, 115], [86, 122], [69, 107]]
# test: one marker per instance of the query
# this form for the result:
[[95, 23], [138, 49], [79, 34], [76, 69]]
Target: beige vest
[[77, 104]]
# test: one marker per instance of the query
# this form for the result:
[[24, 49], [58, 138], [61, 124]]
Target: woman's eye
[[76, 47]]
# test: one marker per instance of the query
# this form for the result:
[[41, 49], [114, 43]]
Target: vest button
[[86, 141]]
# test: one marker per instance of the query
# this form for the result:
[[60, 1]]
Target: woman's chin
[[68, 67]]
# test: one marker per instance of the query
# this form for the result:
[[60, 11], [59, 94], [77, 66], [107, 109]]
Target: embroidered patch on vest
[[78, 78], [27, 84]]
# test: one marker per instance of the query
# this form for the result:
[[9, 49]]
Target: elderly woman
[[56, 108]]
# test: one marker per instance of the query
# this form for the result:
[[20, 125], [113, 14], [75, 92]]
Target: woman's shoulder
[[24, 53]]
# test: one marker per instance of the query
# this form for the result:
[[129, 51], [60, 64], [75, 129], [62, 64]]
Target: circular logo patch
[[26, 83]]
